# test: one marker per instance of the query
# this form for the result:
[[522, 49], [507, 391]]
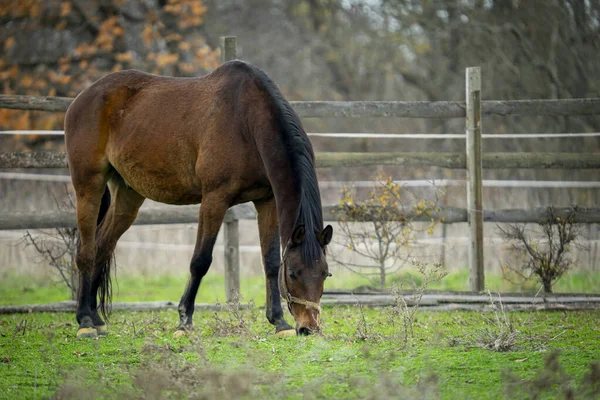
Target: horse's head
[[301, 285]]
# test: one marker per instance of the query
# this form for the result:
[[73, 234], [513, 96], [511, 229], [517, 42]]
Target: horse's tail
[[104, 281]]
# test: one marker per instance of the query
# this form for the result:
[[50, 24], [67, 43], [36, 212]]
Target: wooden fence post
[[228, 48], [231, 235], [231, 242], [474, 176]]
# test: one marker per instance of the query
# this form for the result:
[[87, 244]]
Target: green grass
[[19, 290], [40, 357], [573, 282]]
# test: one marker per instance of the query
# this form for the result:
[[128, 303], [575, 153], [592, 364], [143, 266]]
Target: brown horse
[[222, 139]]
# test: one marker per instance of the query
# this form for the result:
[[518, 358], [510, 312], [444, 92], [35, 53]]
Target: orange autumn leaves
[[190, 12], [169, 43]]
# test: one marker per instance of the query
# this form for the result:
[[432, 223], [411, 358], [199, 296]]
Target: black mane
[[300, 152]]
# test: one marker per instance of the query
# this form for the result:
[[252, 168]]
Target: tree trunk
[[74, 272], [547, 285], [382, 275], [74, 282]]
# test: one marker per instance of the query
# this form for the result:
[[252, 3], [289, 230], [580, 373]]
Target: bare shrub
[[543, 253], [364, 329], [380, 229], [505, 331], [58, 247], [401, 310], [234, 319], [500, 333]]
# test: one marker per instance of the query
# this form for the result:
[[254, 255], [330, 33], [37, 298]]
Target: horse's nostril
[[304, 331]]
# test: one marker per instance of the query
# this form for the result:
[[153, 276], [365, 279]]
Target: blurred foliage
[[315, 49], [58, 47]]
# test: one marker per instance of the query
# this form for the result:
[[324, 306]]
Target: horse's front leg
[[212, 212], [270, 246]]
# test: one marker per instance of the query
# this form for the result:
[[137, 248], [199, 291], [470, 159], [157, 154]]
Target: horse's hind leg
[[124, 206], [89, 188], [212, 211], [270, 246]]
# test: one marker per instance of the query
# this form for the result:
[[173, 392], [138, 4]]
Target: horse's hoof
[[87, 333], [101, 330], [179, 333], [287, 332]]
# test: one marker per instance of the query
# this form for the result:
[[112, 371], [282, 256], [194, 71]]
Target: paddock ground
[[360, 354]]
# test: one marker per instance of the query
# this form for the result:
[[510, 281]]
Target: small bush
[[235, 319], [401, 310], [380, 229], [500, 333], [543, 254]]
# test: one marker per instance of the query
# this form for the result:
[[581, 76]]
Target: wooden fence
[[473, 160]]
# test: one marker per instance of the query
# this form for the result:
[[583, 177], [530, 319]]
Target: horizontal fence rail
[[366, 109], [38, 103], [444, 136], [344, 159], [430, 302], [189, 215], [372, 135]]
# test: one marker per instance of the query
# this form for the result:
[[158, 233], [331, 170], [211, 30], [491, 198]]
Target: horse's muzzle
[[304, 331]]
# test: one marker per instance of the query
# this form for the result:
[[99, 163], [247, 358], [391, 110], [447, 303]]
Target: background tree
[[380, 229], [542, 254]]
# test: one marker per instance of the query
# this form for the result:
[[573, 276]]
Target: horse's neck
[[288, 202], [287, 181], [284, 185]]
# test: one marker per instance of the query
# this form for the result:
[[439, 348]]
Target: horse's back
[[170, 138], [130, 94]]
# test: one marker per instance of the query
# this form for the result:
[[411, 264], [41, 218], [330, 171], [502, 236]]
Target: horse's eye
[[292, 276]]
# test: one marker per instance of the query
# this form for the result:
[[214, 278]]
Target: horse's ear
[[325, 235], [298, 235]]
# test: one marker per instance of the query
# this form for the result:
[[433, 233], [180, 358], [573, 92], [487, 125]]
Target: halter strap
[[285, 293], [305, 303]]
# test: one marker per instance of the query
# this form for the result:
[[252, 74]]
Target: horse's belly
[[171, 195], [161, 184]]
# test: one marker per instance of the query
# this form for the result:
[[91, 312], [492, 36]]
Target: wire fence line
[[153, 245], [434, 183]]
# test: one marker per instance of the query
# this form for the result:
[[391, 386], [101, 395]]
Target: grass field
[[362, 353], [359, 355], [18, 290]]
